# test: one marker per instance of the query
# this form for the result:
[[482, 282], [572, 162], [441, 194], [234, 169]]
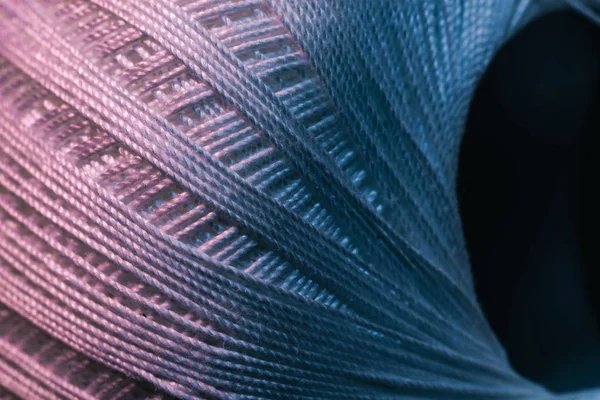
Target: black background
[[527, 186]]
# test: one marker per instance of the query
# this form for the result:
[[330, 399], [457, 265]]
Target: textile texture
[[219, 199]]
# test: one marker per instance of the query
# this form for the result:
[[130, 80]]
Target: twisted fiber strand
[[388, 71], [336, 267], [197, 188], [52, 360], [189, 51], [13, 296], [56, 385], [17, 383], [21, 185], [417, 181], [384, 261], [197, 28], [46, 359], [55, 190], [289, 11], [155, 18], [7, 395]]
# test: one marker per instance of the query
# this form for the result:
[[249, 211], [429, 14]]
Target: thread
[[243, 199]]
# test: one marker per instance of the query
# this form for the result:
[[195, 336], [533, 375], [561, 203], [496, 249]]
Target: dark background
[[527, 186]]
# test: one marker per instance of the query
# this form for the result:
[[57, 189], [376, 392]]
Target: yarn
[[243, 199]]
